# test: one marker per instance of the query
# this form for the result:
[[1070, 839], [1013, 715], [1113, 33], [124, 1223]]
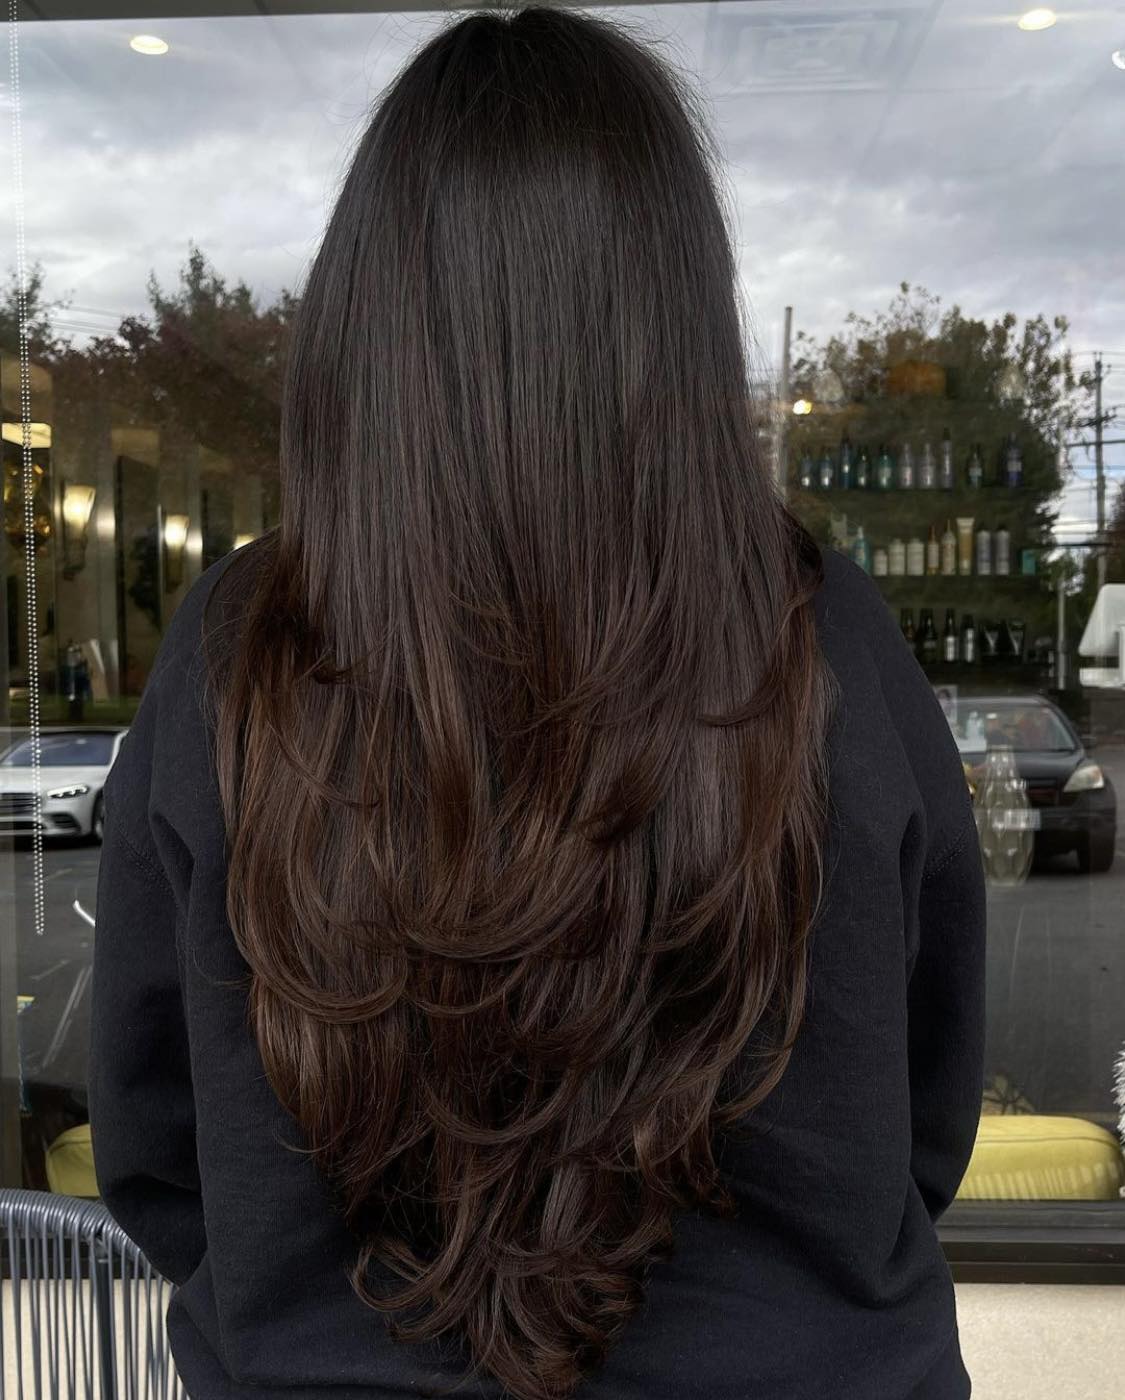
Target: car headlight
[[1085, 778], [78, 790]]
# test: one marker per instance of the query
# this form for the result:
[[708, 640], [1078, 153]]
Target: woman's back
[[830, 1281], [540, 893]]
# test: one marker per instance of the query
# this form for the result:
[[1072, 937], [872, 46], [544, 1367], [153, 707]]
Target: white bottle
[[984, 551], [1002, 563], [948, 551], [879, 562], [896, 559], [916, 558]]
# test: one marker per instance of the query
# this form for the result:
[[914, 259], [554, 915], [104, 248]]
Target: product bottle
[[863, 470], [879, 562], [968, 639], [896, 559], [846, 464], [929, 644], [933, 552], [1002, 810], [906, 467], [927, 473], [1002, 563], [915, 557], [948, 550], [949, 637], [946, 471], [906, 622], [806, 472], [861, 550], [884, 470], [1013, 463], [826, 471], [984, 550], [975, 472]]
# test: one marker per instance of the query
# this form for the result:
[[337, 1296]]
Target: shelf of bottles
[[942, 539]]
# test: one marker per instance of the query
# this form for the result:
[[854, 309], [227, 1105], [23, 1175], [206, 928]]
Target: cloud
[[863, 148]]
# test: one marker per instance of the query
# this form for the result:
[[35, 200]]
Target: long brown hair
[[521, 742]]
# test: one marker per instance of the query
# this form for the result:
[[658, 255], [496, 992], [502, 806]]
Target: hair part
[[521, 735]]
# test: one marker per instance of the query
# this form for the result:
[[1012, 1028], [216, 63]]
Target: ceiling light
[[150, 44], [1117, 58], [1037, 19]]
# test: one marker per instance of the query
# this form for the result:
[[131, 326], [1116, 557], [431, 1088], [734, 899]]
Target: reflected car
[[1071, 797], [73, 764]]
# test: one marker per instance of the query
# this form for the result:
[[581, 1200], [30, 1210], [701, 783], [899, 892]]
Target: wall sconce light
[[802, 407], [174, 541], [77, 504]]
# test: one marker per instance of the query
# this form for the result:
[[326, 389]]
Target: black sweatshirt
[[830, 1283]]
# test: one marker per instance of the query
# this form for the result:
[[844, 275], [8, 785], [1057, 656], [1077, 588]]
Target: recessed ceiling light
[[1117, 58], [147, 44], [1037, 19]]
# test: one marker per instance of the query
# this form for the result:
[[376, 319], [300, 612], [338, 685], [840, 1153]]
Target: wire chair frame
[[82, 1314]]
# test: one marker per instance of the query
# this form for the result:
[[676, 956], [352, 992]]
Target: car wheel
[[97, 826], [1095, 854]]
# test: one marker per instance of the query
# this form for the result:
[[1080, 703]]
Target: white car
[[73, 764]]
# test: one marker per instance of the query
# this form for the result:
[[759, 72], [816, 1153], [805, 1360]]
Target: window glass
[[925, 200]]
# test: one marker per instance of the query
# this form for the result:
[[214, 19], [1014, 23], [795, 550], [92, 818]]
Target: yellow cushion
[[70, 1163], [1031, 1157]]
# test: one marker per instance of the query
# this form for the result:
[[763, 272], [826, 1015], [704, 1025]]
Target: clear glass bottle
[[974, 473], [885, 470], [945, 472], [933, 552], [1013, 464], [949, 638], [948, 550], [1004, 819], [905, 468], [927, 471], [861, 550], [846, 472], [968, 639], [929, 644]]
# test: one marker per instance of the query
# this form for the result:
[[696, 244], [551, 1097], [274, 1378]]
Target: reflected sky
[[866, 145]]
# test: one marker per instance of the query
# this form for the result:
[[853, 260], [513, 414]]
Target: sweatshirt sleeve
[[142, 1107], [945, 1006]]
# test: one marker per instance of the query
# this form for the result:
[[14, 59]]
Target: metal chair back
[[81, 1309]]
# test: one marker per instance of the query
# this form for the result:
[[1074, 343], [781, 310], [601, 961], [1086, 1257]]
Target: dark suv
[[1073, 802]]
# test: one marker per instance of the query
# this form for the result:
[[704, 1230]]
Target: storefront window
[[925, 199]]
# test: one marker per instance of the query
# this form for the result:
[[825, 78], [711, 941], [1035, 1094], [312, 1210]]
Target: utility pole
[[781, 453], [1099, 467]]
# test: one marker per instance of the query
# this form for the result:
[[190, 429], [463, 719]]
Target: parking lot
[[1056, 975]]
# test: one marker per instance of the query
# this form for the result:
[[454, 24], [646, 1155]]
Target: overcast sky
[[931, 142]]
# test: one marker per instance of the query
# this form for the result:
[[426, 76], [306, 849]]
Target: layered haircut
[[521, 735]]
